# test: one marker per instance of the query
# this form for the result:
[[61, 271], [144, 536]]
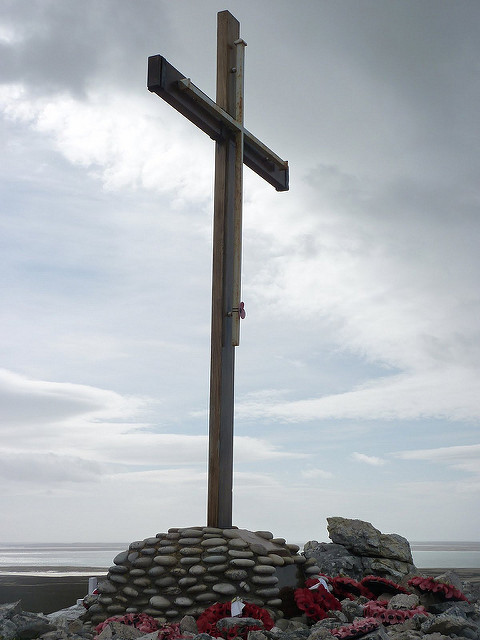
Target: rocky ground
[[361, 585], [443, 620]]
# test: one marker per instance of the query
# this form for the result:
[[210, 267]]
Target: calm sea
[[95, 558]]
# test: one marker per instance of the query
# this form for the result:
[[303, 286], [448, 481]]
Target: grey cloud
[[46, 468], [63, 46]]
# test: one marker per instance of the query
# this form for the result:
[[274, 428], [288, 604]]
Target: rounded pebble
[[118, 569], [214, 559], [136, 573], [156, 571], [121, 558], [220, 549], [237, 543], [265, 560], [268, 593], [130, 592], [138, 544], [197, 570], [165, 561], [264, 569], [159, 602], [165, 582], [268, 535], [188, 541], [191, 533], [213, 542], [312, 570], [172, 613], [236, 574], [240, 554], [224, 588], [264, 579], [183, 601], [242, 562], [197, 588], [206, 597], [217, 568], [277, 560], [186, 582], [117, 578], [191, 551], [142, 562], [188, 561], [167, 550], [142, 582]]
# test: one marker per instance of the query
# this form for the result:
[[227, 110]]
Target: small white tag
[[321, 582], [237, 608]]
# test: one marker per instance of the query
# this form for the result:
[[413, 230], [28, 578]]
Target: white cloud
[[311, 473], [374, 461], [35, 402], [461, 457], [451, 393], [124, 139]]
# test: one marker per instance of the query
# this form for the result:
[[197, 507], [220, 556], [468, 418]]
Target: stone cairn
[[185, 570]]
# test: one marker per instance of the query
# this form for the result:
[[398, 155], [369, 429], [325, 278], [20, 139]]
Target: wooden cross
[[223, 122]]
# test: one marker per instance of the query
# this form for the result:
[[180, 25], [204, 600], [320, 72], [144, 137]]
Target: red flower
[[207, 622], [378, 585], [316, 603], [429, 584]]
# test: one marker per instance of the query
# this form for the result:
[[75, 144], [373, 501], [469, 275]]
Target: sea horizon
[[94, 558]]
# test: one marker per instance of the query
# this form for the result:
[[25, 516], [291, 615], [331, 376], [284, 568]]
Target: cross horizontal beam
[[171, 85]]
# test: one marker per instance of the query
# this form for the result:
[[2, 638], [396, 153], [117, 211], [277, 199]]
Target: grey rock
[[165, 561], [352, 609], [237, 543], [192, 533], [121, 558], [159, 602], [236, 574], [264, 569], [214, 559], [142, 562], [119, 630], [206, 597], [363, 539], [217, 568], [448, 625], [234, 553], [137, 545], [188, 625], [197, 570], [256, 635], [404, 601], [30, 625], [264, 579], [188, 561], [8, 630], [225, 624], [118, 569], [167, 550], [119, 579], [183, 601], [224, 588], [242, 562]]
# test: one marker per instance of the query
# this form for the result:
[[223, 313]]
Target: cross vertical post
[[222, 363]]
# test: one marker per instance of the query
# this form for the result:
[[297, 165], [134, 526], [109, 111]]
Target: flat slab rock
[[363, 539]]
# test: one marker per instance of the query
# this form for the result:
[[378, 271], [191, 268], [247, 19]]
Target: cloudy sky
[[357, 380]]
